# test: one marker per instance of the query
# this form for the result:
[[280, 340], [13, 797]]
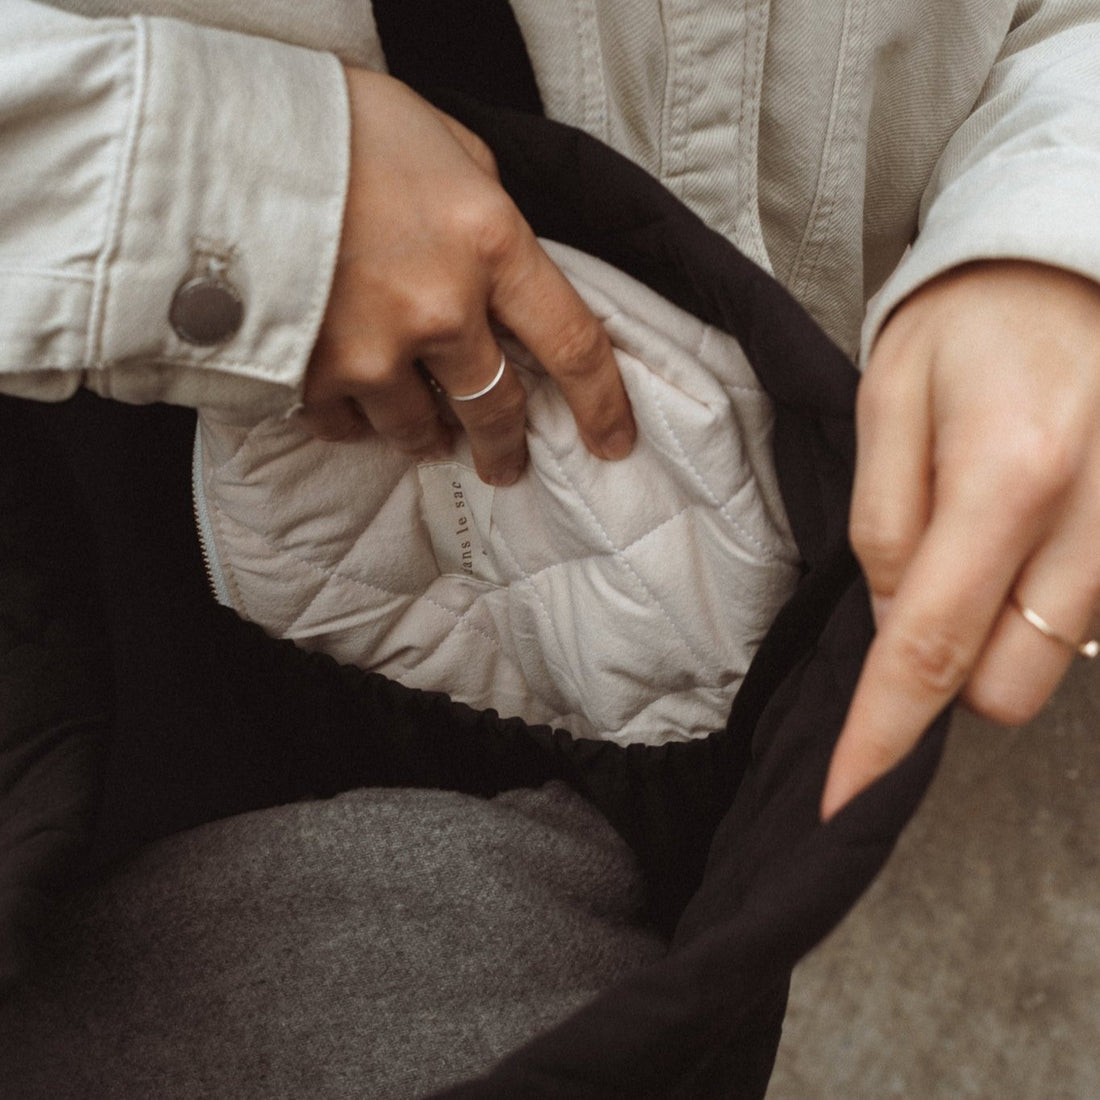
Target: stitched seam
[[749, 123], [702, 483], [663, 123], [220, 467], [322, 569], [709, 336], [240, 447], [528, 578], [660, 526], [326, 578], [247, 438], [336, 573], [824, 204], [617, 554], [49, 273], [692, 695], [461, 621], [525, 577], [120, 194], [595, 90], [551, 703], [713, 680], [742, 120], [212, 363], [712, 497], [336, 205], [62, 366], [675, 113]]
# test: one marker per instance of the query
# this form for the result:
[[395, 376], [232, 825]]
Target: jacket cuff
[[1037, 209], [227, 222], [1019, 179]]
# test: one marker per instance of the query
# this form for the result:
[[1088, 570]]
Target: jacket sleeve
[[1020, 179], [137, 156]]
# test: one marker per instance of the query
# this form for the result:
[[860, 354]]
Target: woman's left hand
[[977, 493]]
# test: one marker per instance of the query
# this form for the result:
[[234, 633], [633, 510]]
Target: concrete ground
[[972, 966]]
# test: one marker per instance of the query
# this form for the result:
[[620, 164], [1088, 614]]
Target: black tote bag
[[119, 676]]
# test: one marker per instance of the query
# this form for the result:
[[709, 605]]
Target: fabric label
[[457, 511]]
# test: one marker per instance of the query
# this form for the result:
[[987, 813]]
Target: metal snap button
[[206, 310]]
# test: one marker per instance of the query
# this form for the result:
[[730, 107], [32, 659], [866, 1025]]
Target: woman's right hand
[[431, 250]]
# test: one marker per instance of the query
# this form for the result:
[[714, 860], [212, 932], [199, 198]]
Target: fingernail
[[618, 445]]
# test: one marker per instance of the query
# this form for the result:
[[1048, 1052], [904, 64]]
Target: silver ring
[[471, 396], [1089, 649]]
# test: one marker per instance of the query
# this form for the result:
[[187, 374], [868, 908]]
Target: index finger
[[536, 301], [944, 610]]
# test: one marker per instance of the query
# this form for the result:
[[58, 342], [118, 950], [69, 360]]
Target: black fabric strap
[[470, 47]]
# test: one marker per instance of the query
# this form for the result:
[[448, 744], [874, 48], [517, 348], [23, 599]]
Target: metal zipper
[[207, 546]]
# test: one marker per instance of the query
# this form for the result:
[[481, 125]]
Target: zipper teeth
[[214, 577]]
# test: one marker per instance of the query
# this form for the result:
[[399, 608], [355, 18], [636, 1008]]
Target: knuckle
[[436, 316], [471, 143], [481, 153], [935, 658], [580, 343], [1046, 457], [1034, 465], [494, 225], [1057, 467]]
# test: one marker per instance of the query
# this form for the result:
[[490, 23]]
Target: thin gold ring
[[1088, 649]]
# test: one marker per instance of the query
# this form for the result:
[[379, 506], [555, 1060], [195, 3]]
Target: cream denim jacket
[[823, 137]]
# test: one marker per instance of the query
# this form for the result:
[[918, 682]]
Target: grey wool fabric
[[383, 943]]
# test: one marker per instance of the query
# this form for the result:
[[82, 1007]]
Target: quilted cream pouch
[[617, 600]]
